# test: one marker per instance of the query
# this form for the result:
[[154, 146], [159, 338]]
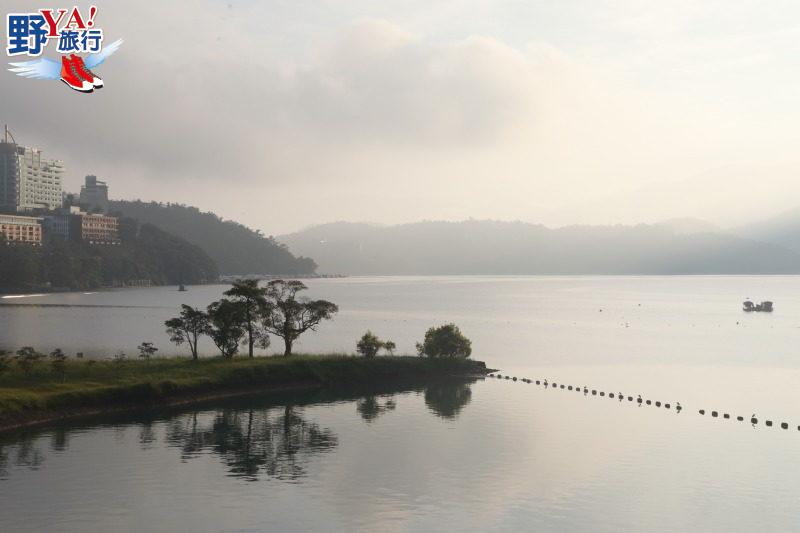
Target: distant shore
[[92, 388]]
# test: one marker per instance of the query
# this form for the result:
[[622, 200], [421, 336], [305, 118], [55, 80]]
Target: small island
[[38, 388]]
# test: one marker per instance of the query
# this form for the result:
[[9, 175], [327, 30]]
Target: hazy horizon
[[283, 116]]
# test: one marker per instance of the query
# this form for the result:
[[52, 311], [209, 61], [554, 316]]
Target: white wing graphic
[[92, 60], [41, 69]]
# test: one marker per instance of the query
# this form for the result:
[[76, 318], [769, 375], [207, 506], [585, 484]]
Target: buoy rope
[[621, 397]]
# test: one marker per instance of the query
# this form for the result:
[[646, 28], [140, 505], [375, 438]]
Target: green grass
[[99, 384]]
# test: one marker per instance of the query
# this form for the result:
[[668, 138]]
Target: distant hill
[[782, 229], [491, 247], [236, 249]]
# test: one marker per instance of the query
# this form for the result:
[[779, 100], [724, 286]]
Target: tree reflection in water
[[370, 407], [263, 440], [447, 399], [25, 452], [273, 442]]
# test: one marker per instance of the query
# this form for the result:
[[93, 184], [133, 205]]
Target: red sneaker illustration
[[72, 77], [74, 71], [85, 73]]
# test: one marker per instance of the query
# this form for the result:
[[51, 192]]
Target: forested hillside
[[146, 253], [235, 248]]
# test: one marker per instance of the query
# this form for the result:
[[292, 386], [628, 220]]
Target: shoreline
[[46, 403]]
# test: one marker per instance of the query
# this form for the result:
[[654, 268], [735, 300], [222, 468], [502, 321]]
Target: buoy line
[[620, 397]]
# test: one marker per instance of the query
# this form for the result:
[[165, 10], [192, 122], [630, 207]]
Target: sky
[[285, 114]]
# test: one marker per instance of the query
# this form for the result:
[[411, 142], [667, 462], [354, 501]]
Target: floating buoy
[[769, 422], [754, 420], [784, 425], [538, 382], [630, 398], [611, 395], [602, 393], [714, 413], [514, 378], [508, 377], [658, 404], [638, 400], [726, 415], [702, 411], [647, 402], [666, 405], [569, 388], [594, 392], [739, 418], [562, 386]]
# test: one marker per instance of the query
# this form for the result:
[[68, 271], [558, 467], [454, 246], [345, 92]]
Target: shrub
[[446, 342], [147, 350], [5, 361], [370, 344], [58, 360], [27, 358]]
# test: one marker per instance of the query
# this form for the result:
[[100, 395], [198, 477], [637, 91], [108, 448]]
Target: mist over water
[[490, 455]]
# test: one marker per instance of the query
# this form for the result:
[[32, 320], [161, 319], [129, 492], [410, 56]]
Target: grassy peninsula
[[87, 387]]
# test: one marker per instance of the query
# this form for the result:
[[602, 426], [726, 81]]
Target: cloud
[[285, 117]]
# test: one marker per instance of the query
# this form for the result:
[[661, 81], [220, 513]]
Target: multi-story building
[[71, 223], [28, 181], [94, 195], [94, 228], [21, 230], [58, 225]]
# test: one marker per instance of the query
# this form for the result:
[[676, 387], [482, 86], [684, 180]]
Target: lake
[[488, 455]]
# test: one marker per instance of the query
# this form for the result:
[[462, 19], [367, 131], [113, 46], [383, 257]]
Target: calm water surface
[[489, 455]]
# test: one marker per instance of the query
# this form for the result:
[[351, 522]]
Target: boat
[[763, 307]]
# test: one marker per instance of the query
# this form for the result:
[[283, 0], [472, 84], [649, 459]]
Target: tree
[[225, 320], [445, 341], [287, 317], [58, 360], [26, 359], [188, 327], [370, 344], [5, 359], [147, 350], [252, 298], [390, 347]]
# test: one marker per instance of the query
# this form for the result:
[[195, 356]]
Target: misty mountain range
[[682, 246]]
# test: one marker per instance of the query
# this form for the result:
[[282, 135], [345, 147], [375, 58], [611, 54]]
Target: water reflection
[[274, 442], [25, 453], [266, 436], [371, 407], [447, 399]]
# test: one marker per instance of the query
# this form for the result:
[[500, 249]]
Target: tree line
[[251, 313]]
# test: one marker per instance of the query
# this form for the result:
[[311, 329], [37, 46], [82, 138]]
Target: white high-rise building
[[27, 180]]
